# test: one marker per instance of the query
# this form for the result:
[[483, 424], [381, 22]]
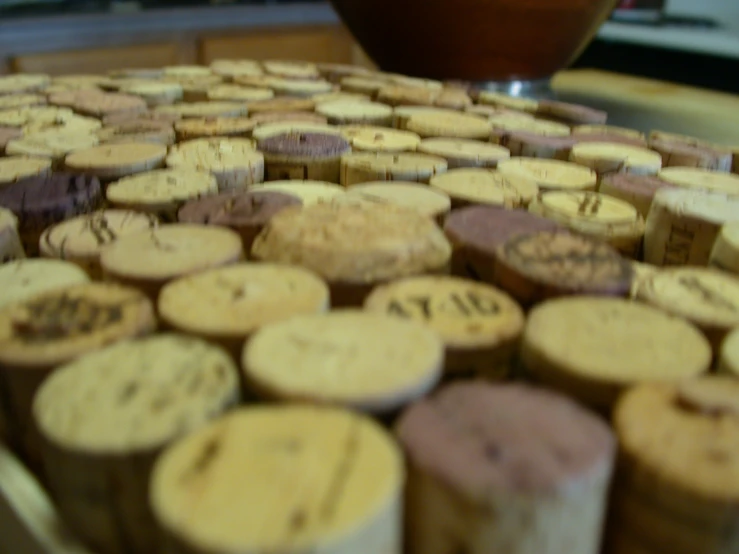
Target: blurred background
[[685, 41]]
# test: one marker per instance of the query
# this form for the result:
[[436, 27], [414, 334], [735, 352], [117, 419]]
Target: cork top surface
[[478, 437], [307, 191], [170, 251], [354, 109], [465, 313], [589, 207], [506, 101], [217, 153], [406, 161], [236, 300], [413, 196], [643, 185], [380, 139], [214, 126], [690, 445], [627, 155], [596, 129], [235, 209], [49, 193], [164, 185], [264, 118], [54, 327], [611, 340], [298, 474], [13, 168], [28, 82], [463, 149], [571, 113], [358, 243], [236, 93], [515, 122], [370, 361], [570, 262], [204, 109], [54, 144], [115, 155], [550, 174], [485, 186], [297, 125], [84, 236], [695, 178], [452, 124], [707, 297], [282, 104], [714, 207], [166, 386], [23, 279]]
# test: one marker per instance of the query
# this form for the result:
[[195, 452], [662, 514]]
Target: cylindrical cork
[[660, 348], [415, 196], [303, 155], [194, 128], [364, 167], [532, 145], [448, 125], [325, 507], [476, 232], [357, 113], [26, 278], [682, 225], [609, 157], [637, 190], [479, 324], [551, 174], [539, 266], [245, 212], [571, 114], [39, 202], [675, 154], [482, 186], [226, 305], [464, 153], [504, 468], [109, 162], [354, 246], [701, 179], [52, 328], [365, 138], [156, 132], [106, 417]]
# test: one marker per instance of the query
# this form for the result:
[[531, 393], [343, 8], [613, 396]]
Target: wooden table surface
[[647, 104]]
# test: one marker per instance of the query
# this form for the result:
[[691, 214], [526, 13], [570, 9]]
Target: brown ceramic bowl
[[474, 40]]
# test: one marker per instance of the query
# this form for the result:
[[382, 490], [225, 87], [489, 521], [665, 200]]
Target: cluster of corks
[[286, 307]]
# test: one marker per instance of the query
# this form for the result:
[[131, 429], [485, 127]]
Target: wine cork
[[362, 85], [506, 123], [683, 155], [150, 115], [669, 462], [461, 153], [148, 260], [300, 88], [599, 216], [477, 450], [609, 130], [233, 161], [195, 90], [281, 104], [637, 190], [451, 125], [308, 192], [414, 82], [725, 251], [233, 68], [22, 279], [21, 101], [400, 95], [367, 361], [694, 178], [10, 241], [402, 114], [620, 344], [226, 305], [550, 174], [378, 139], [335, 72], [39, 202], [706, 297], [476, 232], [642, 273], [264, 118], [204, 109], [500, 100], [185, 71], [539, 266], [156, 94], [479, 324], [52, 328], [204, 511], [99, 104], [678, 138], [605, 157], [452, 98], [195, 128], [244, 212], [356, 113], [486, 111], [682, 225], [729, 355], [531, 145], [482, 186], [414, 196], [6, 135], [267, 130], [354, 246], [107, 415], [160, 193], [571, 114], [291, 69], [52, 144], [364, 167], [16, 168], [32, 117], [303, 155], [81, 239], [23, 83], [156, 132], [115, 161], [236, 93], [340, 96]]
